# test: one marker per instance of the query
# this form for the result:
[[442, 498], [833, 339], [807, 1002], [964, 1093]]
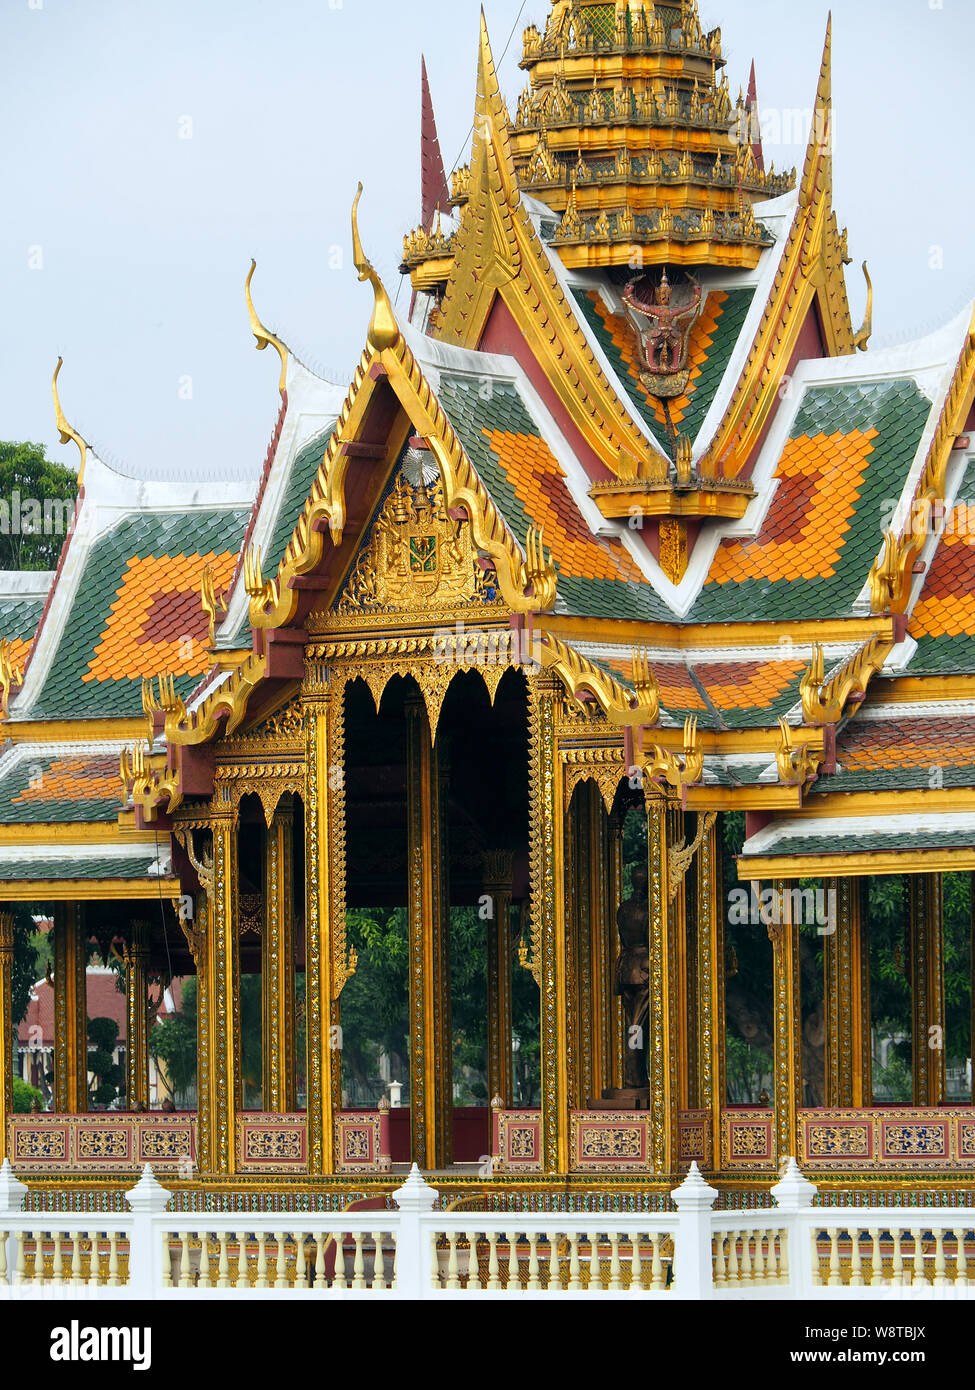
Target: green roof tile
[[65, 694]]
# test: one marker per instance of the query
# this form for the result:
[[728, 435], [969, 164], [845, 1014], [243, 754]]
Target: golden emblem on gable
[[418, 556]]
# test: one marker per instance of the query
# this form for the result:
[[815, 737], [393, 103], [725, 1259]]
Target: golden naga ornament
[[11, 676], [418, 556], [825, 701], [665, 766], [796, 764]]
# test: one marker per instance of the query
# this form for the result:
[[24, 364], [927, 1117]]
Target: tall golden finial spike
[[383, 329], [865, 333], [66, 432], [263, 336]]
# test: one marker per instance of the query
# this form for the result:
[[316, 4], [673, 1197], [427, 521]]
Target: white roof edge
[[851, 827], [25, 584]]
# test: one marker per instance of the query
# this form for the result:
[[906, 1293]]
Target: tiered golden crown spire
[[628, 131]]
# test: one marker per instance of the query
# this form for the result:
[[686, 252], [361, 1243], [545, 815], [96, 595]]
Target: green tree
[[172, 1043], [37, 498], [26, 1097], [109, 1078]]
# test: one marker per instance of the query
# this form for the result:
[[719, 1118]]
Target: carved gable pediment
[[416, 558]]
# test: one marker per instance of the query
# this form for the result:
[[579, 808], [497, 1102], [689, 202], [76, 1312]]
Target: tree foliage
[[37, 497], [26, 1098]]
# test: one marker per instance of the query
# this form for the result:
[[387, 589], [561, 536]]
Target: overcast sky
[[149, 148]]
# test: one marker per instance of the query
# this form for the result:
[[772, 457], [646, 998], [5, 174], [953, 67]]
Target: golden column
[[927, 988], [710, 981], [278, 965], [219, 1012], [7, 1043], [663, 1021], [847, 999], [70, 1010], [787, 1024], [614, 897], [325, 969], [431, 1035], [136, 959], [497, 888], [684, 970], [548, 927]]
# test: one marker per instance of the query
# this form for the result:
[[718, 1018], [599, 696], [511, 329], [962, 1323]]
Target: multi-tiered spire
[[627, 129]]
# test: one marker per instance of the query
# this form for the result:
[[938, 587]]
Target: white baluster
[[636, 1263], [835, 1278], [223, 1263], [340, 1281], [359, 1264], [379, 1262], [243, 1280], [513, 1281], [876, 1266], [57, 1265], [494, 1272], [772, 1263], [301, 1265], [203, 1282], [856, 1266], [758, 1269], [261, 1281], [595, 1277], [961, 1259], [320, 1282], [575, 1281], [615, 1281], [746, 1255], [76, 1279], [533, 1280], [919, 1276], [453, 1264], [718, 1260], [185, 1277], [281, 1267], [554, 1272], [473, 1276], [657, 1280], [3, 1257], [167, 1261], [733, 1257], [20, 1267], [897, 1272], [783, 1256], [940, 1273]]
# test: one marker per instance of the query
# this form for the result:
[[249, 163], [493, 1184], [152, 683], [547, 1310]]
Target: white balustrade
[[792, 1249]]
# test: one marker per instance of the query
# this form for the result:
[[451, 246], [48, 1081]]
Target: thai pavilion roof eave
[[950, 383], [25, 584], [108, 498], [310, 407]]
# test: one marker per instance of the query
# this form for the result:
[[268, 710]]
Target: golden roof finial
[[865, 333], [383, 328], [263, 336], [66, 432]]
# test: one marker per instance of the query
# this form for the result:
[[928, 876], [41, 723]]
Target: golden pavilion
[[613, 632]]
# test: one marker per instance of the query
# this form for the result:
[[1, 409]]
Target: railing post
[[693, 1264], [793, 1195], [413, 1259], [12, 1194], [147, 1200]]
